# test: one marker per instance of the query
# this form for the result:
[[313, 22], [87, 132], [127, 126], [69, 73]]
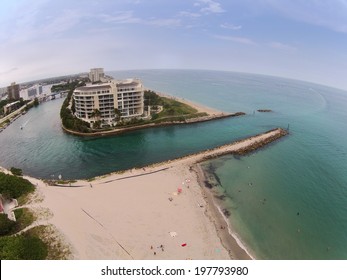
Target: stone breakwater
[[270, 136], [264, 111], [241, 147], [259, 144]]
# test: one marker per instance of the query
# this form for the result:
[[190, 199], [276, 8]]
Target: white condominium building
[[130, 97], [96, 74], [99, 101]]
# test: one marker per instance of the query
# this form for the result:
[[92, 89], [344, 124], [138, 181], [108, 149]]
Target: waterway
[[287, 201]]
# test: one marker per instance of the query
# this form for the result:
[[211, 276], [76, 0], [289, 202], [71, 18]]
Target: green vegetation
[[66, 114], [173, 110], [22, 247], [24, 217], [179, 118], [70, 86], [13, 186], [2, 105], [56, 248], [6, 225], [16, 171], [151, 98], [37, 243], [5, 102], [36, 102], [64, 182]]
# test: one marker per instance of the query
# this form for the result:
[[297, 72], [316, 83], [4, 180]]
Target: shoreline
[[236, 249], [154, 125], [151, 208], [201, 108], [212, 114]]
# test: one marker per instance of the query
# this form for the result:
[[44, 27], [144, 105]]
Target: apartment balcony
[[106, 106], [107, 97]]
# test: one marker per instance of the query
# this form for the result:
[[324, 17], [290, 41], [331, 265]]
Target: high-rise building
[[33, 91], [13, 91], [96, 74], [99, 101]]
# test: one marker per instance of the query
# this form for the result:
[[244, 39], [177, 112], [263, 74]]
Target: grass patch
[[16, 171], [56, 248], [13, 186], [174, 108], [22, 247], [63, 182], [34, 197], [38, 243], [24, 218], [180, 118]]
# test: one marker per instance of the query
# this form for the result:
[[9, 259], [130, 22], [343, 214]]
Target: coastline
[[199, 107], [152, 125], [130, 215], [237, 250], [213, 114]]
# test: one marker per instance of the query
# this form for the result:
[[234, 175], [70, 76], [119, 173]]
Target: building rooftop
[[94, 87], [128, 82], [10, 104]]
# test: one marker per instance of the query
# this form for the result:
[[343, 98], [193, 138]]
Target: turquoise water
[[287, 201]]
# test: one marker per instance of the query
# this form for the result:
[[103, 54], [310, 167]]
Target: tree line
[[67, 115]]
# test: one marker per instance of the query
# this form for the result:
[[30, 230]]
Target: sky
[[299, 39]]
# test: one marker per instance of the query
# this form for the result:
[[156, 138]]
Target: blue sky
[[300, 39]]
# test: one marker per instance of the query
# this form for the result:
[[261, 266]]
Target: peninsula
[[109, 106]]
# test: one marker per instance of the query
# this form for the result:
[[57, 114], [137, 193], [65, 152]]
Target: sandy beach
[[199, 107], [159, 212]]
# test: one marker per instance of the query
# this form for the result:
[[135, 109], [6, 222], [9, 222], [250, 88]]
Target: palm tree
[[96, 114], [117, 114]]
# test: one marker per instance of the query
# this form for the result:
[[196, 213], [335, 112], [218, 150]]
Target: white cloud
[[189, 14], [67, 20], [120, 17], [281, 46], [127, 17], [60, 56], [209, 6], [7, 71], [231, 26], [167, 22], [331, 14], [241, 40]]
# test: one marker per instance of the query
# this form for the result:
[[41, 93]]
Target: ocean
[[286, 201]]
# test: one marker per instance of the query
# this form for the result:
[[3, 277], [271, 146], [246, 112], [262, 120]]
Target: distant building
[[3, 92], [13, 91], [8, 108], [35, 91], [96, 74], [99, 101], [31, 92]]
